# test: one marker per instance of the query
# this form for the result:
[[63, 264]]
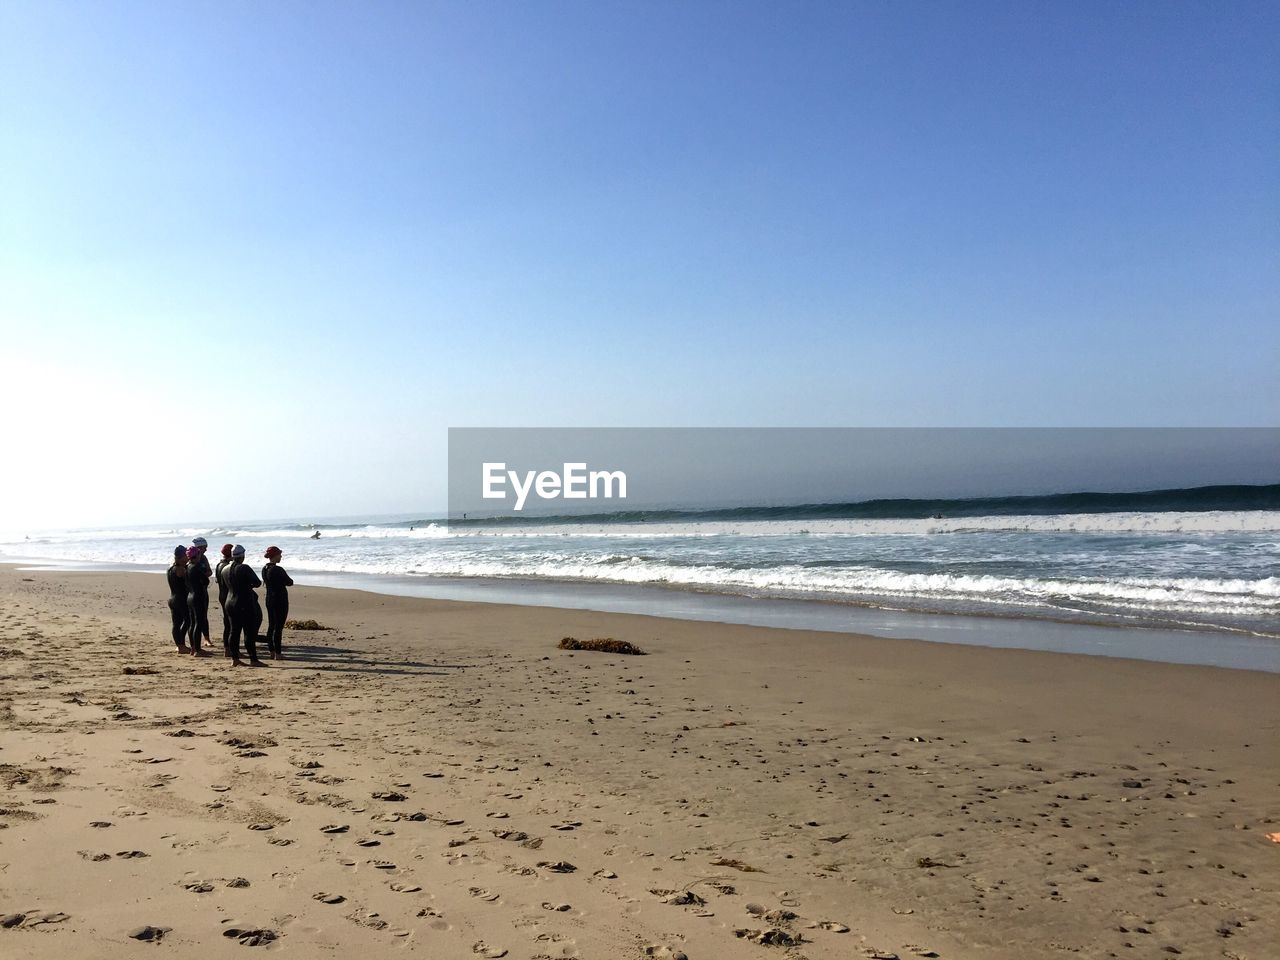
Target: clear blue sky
[[256, 258]]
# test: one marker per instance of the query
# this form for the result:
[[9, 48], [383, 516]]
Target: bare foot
[[256, 663], [237, 662]]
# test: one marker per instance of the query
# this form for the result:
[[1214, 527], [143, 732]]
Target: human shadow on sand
[[348, 660]]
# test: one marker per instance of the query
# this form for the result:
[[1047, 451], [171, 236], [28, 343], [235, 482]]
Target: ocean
[[1204, 559]]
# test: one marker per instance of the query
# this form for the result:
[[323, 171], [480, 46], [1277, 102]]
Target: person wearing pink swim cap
[[197, 600]]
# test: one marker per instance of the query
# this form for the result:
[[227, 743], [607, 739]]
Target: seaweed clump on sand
[[603, 644], [305, 625]]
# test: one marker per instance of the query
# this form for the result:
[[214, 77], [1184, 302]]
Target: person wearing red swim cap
[[278, 583]]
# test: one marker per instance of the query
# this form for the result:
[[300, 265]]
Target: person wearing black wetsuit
[[201, 544], [223, 586], [278, 583], [197, 600], [178, 597], [246, 614]]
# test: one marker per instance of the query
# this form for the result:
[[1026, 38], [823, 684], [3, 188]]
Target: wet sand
[[437, 778]]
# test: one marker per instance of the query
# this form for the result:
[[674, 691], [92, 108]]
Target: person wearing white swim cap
[[201, 544], [242, 605]]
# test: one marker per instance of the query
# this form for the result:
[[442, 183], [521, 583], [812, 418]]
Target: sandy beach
[[438, 779]]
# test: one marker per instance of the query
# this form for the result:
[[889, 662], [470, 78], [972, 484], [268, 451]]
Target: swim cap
[[193, 553], [200, 542], [237, 551], [179, 551], [271, 550], [226, 549]]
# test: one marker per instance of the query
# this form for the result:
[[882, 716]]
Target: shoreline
[[887, 796], [1231, 649]]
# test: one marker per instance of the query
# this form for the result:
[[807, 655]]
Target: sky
[[256, 259]]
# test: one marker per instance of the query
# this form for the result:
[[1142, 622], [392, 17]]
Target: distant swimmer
[[178, 597], [316, 535], [278, 583], [246, 615], [197, 600], [223, 587]]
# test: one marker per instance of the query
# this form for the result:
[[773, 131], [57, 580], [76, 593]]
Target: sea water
[[1181, 559]]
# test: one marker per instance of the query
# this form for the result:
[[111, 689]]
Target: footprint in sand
[[132, 854], [559, 866], [382, 864], [198, 887], [280, 841], [405, 887], [262, 826], [251, 937], [558, 907], [95, 857], [480, 893], [149, 933], [234, 882], [100, 824], [572, 825], [368, 842], [831, 925], [485, 950], [335, 828], [384, 832], [32, 918], [328, 897]]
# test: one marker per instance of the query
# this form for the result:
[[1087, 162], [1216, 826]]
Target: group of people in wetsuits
[[237, 585]]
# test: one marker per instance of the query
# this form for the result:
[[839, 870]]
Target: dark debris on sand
[[603, 645]]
